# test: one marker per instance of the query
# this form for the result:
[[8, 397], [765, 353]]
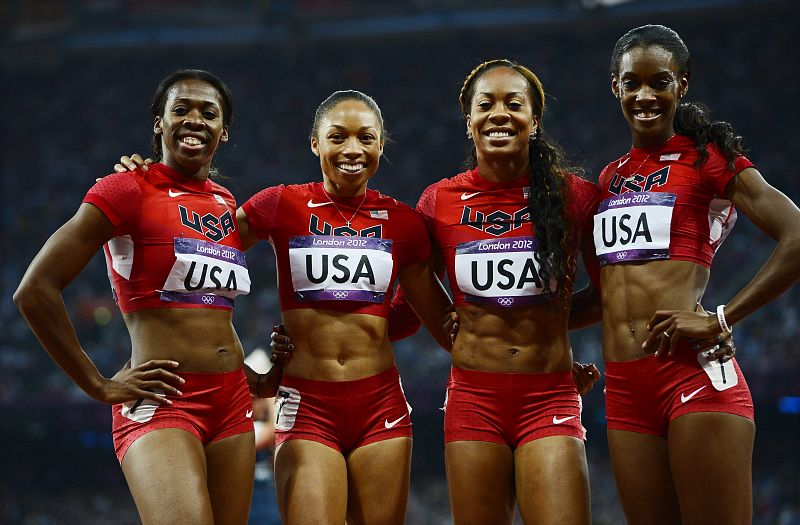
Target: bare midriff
[[633, 292], [529, 339], [336, 346], [199, 339]]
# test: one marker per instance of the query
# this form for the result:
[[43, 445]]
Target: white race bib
[[723, 375], [340, 268], [500, 272], [634, 226], [205, 272]]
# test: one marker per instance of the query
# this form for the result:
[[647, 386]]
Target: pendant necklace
[[347, 222]]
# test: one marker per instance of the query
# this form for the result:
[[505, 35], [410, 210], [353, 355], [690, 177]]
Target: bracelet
[[721, 318]]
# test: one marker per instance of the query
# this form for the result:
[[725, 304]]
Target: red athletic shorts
[[646, 394], [509, 408], [212, 407], [343, 415]]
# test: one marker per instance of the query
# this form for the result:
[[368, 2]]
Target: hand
[[450, 325], [140, 382], [585, 376], [132, 163], [668, 327], [720, 347], [281, 346]]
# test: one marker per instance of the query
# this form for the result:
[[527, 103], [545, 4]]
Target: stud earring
[[469, 134]]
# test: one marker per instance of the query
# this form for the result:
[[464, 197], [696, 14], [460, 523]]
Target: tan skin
[[547, 477], [173, 477], [643, 301]]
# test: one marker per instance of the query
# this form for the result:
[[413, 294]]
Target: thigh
[[552, 481], [644, 479], [166, 472], [480, 480], [711, 455], [311, 482], [231, 463], [378, 477]]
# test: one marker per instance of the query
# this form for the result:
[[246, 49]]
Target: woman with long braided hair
[[507, 230]]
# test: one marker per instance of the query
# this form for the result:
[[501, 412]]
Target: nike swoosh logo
[[176, 193], [465, 196], [684, 398], [387, 424], [312, 204], [622, 162], [557, 420], [248, 414]]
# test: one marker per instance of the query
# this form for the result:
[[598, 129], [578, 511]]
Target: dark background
[[77, 77]]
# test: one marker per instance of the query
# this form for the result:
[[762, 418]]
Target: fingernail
[[182, 380], [178, 392], [174, 363], [655, 353]]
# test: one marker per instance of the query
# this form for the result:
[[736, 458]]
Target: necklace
[[631, 172], [353, 216]]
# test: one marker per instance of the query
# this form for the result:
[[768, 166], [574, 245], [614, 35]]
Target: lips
[[499, 133], [192, 142], [646, 115]]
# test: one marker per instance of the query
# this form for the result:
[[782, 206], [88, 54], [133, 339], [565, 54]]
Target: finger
[[674, 338], [157, 363], [119, 168], [161, 399], [159, 374], [659, 317], [162, 386]]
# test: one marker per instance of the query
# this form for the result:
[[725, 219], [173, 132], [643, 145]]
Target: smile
[[351, 168], [646, 115]]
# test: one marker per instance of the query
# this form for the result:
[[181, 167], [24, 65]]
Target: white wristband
[[721, 318]]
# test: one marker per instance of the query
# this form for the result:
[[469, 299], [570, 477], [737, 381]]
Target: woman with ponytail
[[507, 231], [680, 421]]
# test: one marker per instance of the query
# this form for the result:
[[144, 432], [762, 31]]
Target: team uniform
[[656, 205], [486, 237], [325, 263], [176, 245]]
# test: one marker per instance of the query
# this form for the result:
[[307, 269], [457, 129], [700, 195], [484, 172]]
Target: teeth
[[647, 114], [499, 134], [351, 167], [191, 141]]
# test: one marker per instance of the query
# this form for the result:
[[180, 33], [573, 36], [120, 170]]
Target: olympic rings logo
[[621, 255], [340, 294], [506, 301], [208, 299]]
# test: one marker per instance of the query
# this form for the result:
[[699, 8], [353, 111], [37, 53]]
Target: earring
[[469, 134]]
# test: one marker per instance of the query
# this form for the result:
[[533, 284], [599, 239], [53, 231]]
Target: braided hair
[[691, 118], [555, 251]]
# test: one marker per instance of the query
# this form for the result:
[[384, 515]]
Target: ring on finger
[[667, 335]]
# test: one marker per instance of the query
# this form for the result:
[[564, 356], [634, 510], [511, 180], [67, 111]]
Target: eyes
[[487, 105], [630, 85], [208, 113], [339, 137]]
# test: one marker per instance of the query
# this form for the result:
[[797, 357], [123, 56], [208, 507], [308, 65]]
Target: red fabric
[[146, 206], [695, 188], [280, 213], [212, 407], [343, 415], [510, 408], [645, 395]]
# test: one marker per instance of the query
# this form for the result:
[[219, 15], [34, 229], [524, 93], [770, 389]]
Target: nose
[[194, 120], [499, 116], [645, 93], [351, 148]]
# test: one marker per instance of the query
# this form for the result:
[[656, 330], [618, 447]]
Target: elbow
[[28, 296]]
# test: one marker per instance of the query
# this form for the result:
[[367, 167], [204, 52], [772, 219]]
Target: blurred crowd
[[69, 115]]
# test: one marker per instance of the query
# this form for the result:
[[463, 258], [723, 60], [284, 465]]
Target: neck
[[196, 174], [654, 141], [338, 190], [503, 169]]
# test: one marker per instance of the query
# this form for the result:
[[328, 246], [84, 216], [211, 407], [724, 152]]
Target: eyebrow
[[362, 128], [512, 93], [206, 102]]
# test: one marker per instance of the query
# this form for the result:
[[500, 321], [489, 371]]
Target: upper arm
[[246, 233], [70, 248], [769, 209]]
